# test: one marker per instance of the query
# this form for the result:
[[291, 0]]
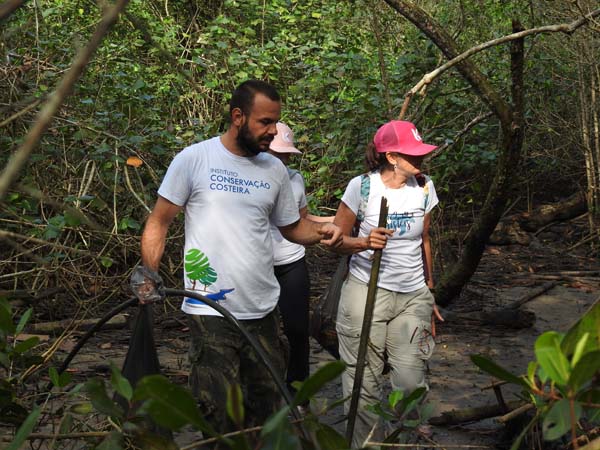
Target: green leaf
[[120, 383], [494, 369], [588, 323], [316, 381], [23, 321], [327, 437], [408, 404], [531, 370], [72, 219], [100, 399], [83, 408], [106, 261], [277, 433], [6, 321], [139, 84], [394, 398], [551, 358], [585, 369], [235, 404], [114, 441], [170, 405], [54, 378], [558, 420], [275, 420], [591, 397], [27, 344], [24, 430], [579, 349]]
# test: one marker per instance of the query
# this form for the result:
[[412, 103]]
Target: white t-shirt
[[401, 267], [286, 252], [229, 202]]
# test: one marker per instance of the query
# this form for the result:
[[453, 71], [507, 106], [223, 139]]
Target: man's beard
[[247, 142]]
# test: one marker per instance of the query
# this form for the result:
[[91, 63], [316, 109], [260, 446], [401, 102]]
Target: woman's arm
[[428, 268], [345, 219], [427, 258]]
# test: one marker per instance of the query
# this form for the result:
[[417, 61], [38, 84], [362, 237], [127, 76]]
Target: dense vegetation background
[[161, 78], [518, 125]]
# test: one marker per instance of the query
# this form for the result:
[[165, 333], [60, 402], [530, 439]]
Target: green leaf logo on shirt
[[197, 268]]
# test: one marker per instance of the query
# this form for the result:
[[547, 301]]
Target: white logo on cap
[[416, 135], [287, 136]]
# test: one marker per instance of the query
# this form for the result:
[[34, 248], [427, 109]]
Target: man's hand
[[147, 285], [332, 235]]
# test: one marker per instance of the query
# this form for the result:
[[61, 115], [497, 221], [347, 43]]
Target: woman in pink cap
[[403, 317], [290, 267]]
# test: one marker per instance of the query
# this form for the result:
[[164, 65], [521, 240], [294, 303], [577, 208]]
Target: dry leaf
[[134, 161], [106, 346]]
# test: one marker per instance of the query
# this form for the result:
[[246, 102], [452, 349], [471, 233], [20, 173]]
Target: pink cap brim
[[419, 150], [285, 149]]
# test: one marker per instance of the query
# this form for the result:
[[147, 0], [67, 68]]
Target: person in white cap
[[290, 267], [402, 323]]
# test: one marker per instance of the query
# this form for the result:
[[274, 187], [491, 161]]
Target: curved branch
[[9, 7], [436, 33], [64, 89], [566, 28]]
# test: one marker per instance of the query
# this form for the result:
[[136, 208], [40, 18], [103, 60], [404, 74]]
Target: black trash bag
[[142, 360], [322, 324]]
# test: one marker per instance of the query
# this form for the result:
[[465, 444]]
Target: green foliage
[[16, 358], [405, 413], [560, 383]]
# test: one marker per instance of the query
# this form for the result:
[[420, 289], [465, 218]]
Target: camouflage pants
[[220, 357]]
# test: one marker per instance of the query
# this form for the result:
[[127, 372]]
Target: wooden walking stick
[[366, 328]]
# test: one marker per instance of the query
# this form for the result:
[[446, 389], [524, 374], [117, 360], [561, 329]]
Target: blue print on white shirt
[[228, 181], [400, 222]]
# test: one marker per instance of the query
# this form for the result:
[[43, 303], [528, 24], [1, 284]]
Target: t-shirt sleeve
[[431, 198], [176, 185], [351, 196], [285, 212], [299, 189]]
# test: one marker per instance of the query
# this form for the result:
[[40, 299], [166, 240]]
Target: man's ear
[[237, 117]]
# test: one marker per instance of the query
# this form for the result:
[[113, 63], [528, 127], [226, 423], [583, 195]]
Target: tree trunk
[[512, 129]]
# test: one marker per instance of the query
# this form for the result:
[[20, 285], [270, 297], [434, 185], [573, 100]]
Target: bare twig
[[20, 113], [64, 89], [567, 28]]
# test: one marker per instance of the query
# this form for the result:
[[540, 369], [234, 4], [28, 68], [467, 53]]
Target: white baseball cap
[[283, 142]]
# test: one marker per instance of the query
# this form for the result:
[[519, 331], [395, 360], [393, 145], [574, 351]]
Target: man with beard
[[230, 190]]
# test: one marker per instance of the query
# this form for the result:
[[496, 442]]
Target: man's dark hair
[[243, 96]]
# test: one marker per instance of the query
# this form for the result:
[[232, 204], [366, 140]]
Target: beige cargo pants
[[402, 326]]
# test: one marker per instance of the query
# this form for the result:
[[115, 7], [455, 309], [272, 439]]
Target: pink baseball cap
[[283, 142], [399, 136]]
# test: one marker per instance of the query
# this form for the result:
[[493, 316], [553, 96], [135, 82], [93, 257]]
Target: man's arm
[[307, 232], [155, 232], [345, 219]]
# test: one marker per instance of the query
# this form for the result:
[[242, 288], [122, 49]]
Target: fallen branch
[[458, 416], [118, 321], [535, 293], [515, 413]]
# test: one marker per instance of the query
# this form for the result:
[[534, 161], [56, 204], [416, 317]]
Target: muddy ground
[[506, 273]]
